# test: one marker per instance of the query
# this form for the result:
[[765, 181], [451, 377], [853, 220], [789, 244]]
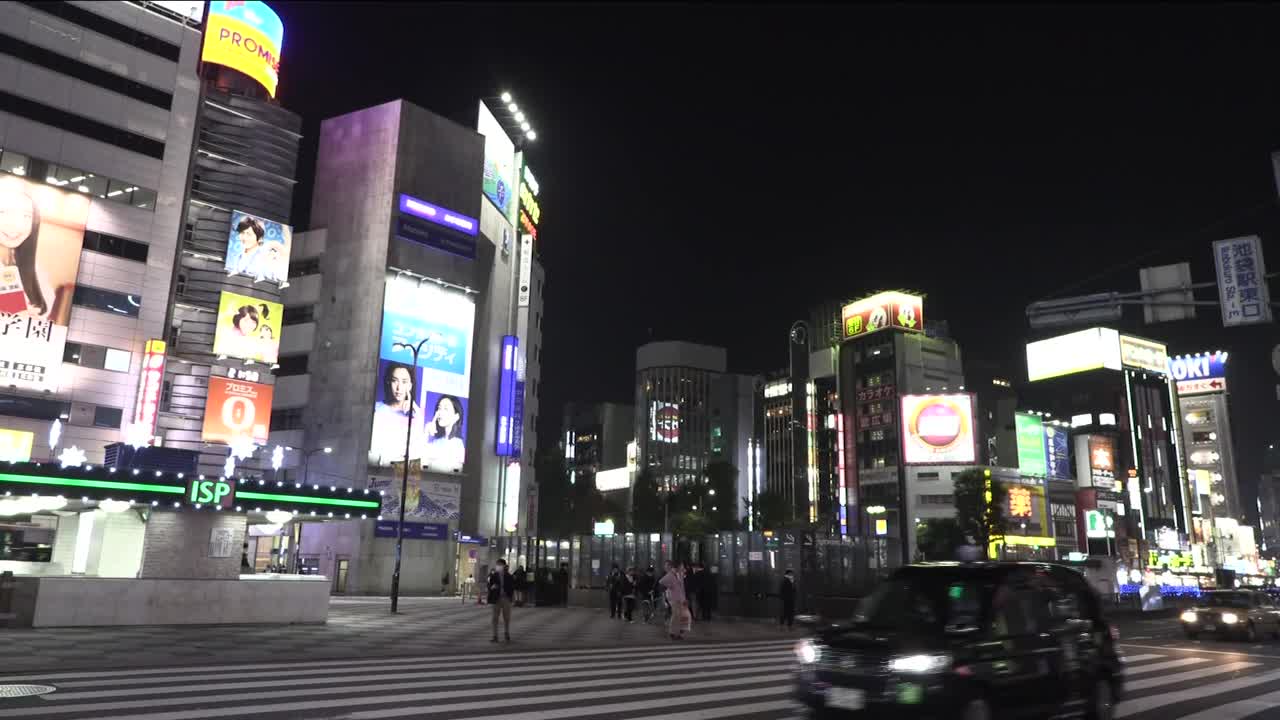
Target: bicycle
[[647, 608]]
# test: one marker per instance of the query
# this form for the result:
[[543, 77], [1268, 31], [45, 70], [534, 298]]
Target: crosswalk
[[679, 681]]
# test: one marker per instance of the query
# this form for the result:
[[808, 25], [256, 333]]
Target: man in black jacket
[[787, 593], [501, 590]]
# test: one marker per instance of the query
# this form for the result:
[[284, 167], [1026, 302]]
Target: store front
[[71, 537]]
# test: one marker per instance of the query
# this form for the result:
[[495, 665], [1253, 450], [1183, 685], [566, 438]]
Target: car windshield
[[920, 602], [1227, 599]]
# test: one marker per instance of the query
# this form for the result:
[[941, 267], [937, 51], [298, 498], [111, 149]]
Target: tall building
[[96, 132], [597, 437]]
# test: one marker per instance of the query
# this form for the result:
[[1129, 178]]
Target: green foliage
[[646, 503], [980, 519], [938, 538]]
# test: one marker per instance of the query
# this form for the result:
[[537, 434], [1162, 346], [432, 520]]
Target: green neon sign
[[98, 484], [340, 502]]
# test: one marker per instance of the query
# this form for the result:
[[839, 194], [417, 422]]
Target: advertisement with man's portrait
[[258, 248], [41, 235]]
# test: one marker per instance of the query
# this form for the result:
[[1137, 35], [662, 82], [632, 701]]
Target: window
[[97, 357], [292, 365], [83, 71], [299, 315], [81, 125], [107, 417], [936, 499], [107, 301], [1064, 528], [300, 268], [104, 187], [34, 408], [287, 419], [110, 28], [927, 476], [117, 246]]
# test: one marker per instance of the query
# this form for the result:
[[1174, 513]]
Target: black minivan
[[967, 641]]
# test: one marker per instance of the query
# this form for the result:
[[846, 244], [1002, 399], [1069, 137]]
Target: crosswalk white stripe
[[1157, 667], [417, 698], [1150, 702], [452, 669], [418, 678], [1201, 651], [513, 685], [1239, 709], [1191, 676], [602, 653], [646, 704], [732, 711], [1138, 658]]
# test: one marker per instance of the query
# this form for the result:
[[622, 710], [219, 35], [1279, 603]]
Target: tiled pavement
[[357, 627]]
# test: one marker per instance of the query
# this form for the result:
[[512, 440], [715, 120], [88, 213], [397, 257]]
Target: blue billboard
[[517, 420], [506, 394], [1057, 455], [1199, 373]]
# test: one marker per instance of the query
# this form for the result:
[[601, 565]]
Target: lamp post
[[306, 458], [404, 480]]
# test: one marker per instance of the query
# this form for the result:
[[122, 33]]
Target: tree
[[721, 489], [980, 503], [938, 538], [646, 503], [769, 510]]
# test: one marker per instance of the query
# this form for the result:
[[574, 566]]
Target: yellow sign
[[1019, 502], [245, 36], [882, 526], [1144, 354], [15, 445]]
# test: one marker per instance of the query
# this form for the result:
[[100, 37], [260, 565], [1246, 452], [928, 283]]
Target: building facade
[[597, 437]]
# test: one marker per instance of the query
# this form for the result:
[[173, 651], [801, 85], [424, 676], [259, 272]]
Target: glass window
[[117, 246], [292, 365], [107, 417], [117, 360], [107, 301], [34, 408]]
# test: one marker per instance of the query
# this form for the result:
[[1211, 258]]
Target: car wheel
[[976, 709], [1102, 704], [1250, 633]]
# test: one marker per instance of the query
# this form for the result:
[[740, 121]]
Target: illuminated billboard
[[938, 429], [237, 409], [41, 235], [1102, 464], [526, 270], [664, 422], [1199, 373], [150, 383], [435, 389], [883, 310], [616, 479], [1057, 455], [1029, 431], [1076, 352], [429, 500], [245, 36], [506, 394], [499, 164], [248, 328], [16, 445], [529, 198], [1020, 505], [258, 248], [1144, 354]]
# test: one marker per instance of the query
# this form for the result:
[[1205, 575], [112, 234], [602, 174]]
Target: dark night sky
[[709, 172]]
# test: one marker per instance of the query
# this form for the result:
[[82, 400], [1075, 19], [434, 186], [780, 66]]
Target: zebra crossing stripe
[[1187, 677], [1138, 658], [1240, 709], [1150, 702], [1157, 667]]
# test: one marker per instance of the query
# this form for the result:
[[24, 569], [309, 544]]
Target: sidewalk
[[429, 628]]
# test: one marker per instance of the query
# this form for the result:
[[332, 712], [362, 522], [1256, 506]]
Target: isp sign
[[1201, 373]]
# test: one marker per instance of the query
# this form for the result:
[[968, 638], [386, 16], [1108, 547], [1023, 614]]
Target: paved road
[[638, 677]]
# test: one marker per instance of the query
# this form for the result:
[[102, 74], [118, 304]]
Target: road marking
[[1139, 705], [1167, 648], [1156, 667], [346, 683], [1239, 709], [1138, 658], [495, 658], [1188, 676], [617, 707]]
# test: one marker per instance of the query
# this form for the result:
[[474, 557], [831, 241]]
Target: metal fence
[[747, 567]]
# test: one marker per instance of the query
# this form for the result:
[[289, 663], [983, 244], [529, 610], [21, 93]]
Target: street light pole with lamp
[[404, 479], [306, 457]]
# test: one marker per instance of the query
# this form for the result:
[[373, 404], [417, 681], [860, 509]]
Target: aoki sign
[[1199, 373]]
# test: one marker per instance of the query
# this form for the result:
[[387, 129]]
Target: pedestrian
[[562, 579], [501, 591], [646, 587], [710, 594], [521, 583], [787, 593], [673, 583], [691, 580], [613, 586], [629, 581]]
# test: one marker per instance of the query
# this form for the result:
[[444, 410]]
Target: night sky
[[710, 172]]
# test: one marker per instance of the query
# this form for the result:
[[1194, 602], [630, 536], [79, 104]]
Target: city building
[[96, 137], [597, 436]]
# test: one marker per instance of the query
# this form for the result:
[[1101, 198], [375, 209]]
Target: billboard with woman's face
[[248, 328], [41, 235], [258, 248], [435, 388]]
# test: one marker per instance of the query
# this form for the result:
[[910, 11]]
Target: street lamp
[[306, 457], [404, 480]]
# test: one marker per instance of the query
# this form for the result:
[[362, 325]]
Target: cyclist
[[645, 586]]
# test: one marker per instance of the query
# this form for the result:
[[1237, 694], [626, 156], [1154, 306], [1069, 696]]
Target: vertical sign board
[[1242, 285], [506, 394], [1057, 455], [150, 382], [526, 268], [517, 420], [1029, 430]]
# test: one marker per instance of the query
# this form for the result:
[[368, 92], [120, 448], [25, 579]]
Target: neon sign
[[150, 382], [438, 215], [528, 225], [219, 493], [527, 202]]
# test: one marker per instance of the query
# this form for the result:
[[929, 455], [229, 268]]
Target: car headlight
[[1230, 618], [1189, 616], [806, 652], [920, 663]]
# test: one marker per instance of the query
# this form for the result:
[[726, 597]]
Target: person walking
[[613, 586], [501, 591], [673, 583], [691, 587], [629, 582], [521, 583], [787, 593], [562, 580], [709, 594]]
